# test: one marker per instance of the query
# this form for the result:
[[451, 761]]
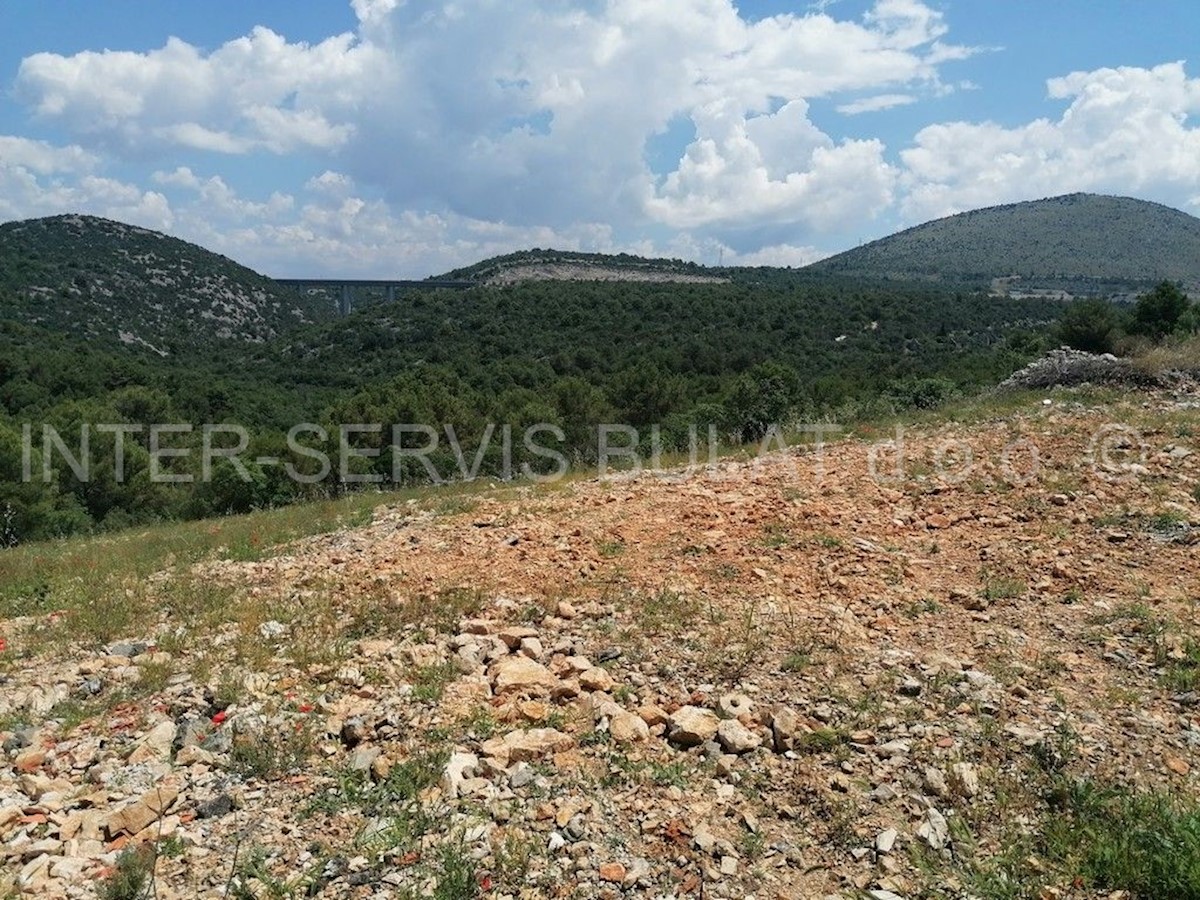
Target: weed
[[480, 723], [1002, 588], [131, 878], [918, 608], [610, 549], [455, 506], [72, 713], [672, 774], [799, 659], [753, 844], [1055, 752], [449, 607], [775, 536], [430, 682], [171, 847], [456, 875], [827, 541], [514, 854], [255, 870], [822, 740], [153, 677], [665, 610], [1116, 839], [271, 756], [1183, 674]]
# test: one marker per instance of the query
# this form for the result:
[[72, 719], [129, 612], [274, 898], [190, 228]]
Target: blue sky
[[392, 138]]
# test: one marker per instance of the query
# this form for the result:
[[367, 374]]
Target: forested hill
[[1074, 238], [567, 265], [117, 284]]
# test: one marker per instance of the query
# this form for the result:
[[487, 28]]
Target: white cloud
[[771, 169], [777, 255], [256, 92], [1125, 131], [182, 177], [43, 158], [23, 194], [523, 113], [439, 133], [876, 103]]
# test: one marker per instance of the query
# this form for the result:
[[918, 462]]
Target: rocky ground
[[798, 676]]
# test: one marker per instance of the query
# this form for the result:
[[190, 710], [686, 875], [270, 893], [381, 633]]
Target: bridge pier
[[391, 293], [344, 301]]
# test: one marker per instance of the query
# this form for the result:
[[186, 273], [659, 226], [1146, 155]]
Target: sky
[[403, 138]]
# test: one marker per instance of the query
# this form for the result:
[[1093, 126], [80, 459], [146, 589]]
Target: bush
[[767, 395], [1159, 311], [921, 393], [130, 879], [1090, 325]]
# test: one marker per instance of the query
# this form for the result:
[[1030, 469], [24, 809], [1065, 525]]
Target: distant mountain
[[566, 265], [118, 284], [1084, 243]]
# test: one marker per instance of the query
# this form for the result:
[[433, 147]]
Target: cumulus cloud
[[1125, 130], [771, 169], [524, 114], [434, 134], [39, 178], [256, 92], [43, 158], [875, 104]]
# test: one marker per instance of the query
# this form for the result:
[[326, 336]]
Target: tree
[[1090, 325], [766, 395], [1159, 311]]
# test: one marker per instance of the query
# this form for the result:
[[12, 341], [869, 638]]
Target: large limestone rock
[[736, 737], [522, 675], [626, 728], [526, 745], [691, 726]]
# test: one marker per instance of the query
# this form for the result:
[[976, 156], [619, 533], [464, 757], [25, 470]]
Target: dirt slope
[[772, 679]]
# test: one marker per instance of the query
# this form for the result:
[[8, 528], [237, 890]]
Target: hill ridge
[[1078, 240], [105, 280]]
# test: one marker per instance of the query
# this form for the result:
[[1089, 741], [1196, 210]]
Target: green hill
[[569, 265], [118, 284], [1083, 243]]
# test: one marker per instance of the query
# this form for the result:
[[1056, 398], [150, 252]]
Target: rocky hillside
[[1078, 242], [774, 679], [115, 283], [557, 265]]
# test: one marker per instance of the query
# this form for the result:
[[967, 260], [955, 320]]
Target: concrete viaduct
[[343, 288]]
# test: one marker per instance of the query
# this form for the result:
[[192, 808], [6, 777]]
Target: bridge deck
[[429, 285], [345, 287]]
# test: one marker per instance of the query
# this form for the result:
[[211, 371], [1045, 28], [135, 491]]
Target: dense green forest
[[1077, 241], [738, 356], [106, 330], [120, 285]]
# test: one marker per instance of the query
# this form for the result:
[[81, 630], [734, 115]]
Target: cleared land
[[760, 680]]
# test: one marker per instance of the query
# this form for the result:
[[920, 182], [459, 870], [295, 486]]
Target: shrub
[[1090, 325]]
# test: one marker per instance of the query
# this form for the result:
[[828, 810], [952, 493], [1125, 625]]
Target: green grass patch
[[1113, 838], [430, 682]]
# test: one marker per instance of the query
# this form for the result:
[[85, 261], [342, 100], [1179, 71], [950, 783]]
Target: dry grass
[[1175, 355]]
